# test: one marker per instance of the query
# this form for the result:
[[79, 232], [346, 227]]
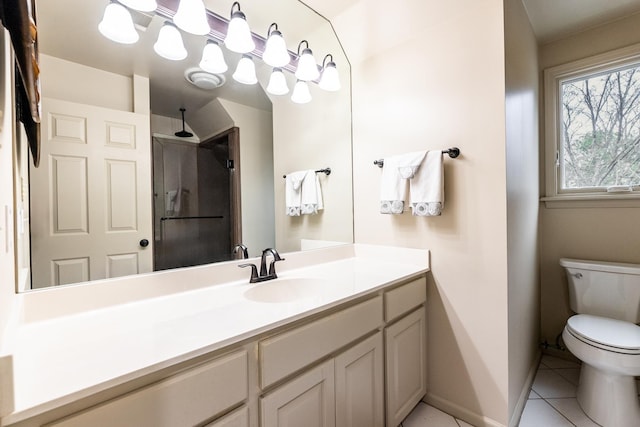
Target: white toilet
[[605, 336]]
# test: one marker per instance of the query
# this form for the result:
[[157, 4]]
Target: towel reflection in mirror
[[303, 193]]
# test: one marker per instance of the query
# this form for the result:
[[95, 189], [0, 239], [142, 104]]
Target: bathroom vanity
[[339, 339]]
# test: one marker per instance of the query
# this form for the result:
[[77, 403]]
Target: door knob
[[144, 243]]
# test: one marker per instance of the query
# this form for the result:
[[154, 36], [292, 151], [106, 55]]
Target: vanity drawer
[[404, 298], [290, 351], [187, 398]]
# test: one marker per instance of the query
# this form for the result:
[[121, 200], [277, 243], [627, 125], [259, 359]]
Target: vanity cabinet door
[[406, 363], [359, 385], [308, 400], [238, 418]]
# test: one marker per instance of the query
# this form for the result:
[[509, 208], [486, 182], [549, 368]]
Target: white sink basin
[[286, 289]]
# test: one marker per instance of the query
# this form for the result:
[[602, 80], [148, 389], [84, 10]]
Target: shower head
[[183, 133]]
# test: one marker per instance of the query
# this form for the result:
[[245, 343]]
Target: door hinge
[[229, 164]]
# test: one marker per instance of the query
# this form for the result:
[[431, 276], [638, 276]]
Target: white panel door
[[91, 197], [359, 385], [306, 401], [406, 353]]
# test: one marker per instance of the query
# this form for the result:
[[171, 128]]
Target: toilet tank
[[605, 289]]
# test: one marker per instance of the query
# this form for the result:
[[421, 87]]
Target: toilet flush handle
[[577, 275]]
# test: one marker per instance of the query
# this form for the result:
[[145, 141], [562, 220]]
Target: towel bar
[[453, 152], [326, 171]]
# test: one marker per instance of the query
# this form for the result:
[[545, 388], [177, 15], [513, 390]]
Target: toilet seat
[[607, 334]]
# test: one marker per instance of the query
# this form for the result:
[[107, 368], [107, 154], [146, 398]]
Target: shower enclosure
[[196, 200]]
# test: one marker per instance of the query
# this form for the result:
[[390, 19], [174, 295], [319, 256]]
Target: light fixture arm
[[272, 27], [324, 61], [300, 44], [235, 3]]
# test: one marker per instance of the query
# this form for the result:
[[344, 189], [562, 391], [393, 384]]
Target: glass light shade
[[275, 52], [301, 94], [330, 79], [141, 5], [169, 44], [307, 69], [213, 59], [117, 24], [192, 17], [238, 38], [246, 71], [277, 83]]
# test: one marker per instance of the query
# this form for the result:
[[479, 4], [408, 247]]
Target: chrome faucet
[[264, 274], [243, 248]]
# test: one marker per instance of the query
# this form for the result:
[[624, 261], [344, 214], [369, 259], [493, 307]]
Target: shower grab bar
[[169, 218], [453, 152], [326, 171]]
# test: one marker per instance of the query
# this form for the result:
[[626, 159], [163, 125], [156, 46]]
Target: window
[[592, 119]]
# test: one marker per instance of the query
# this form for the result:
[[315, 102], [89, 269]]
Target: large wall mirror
[[149, 164]]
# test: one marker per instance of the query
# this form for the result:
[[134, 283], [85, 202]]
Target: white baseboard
[[524, 394], [458, 411]]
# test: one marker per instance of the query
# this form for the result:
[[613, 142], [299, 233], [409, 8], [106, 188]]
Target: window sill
[[592, 201]]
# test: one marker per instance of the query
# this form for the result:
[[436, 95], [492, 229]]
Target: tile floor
[[552, 401]]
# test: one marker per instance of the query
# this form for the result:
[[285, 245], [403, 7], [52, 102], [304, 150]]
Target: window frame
[[553, 79]]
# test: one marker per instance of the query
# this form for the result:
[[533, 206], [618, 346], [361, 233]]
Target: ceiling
[[555, 19]]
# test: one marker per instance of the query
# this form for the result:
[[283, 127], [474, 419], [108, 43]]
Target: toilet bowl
[[605, 336], [610, 353]]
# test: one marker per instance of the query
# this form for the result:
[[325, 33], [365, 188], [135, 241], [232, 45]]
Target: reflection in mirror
[[148, 196]]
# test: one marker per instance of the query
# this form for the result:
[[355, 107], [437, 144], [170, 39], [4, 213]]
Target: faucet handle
[[254, 272]]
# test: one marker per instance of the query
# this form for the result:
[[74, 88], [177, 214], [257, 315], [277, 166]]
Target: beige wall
[[521, 67], [599, 233], [429, 74], [78, 84], [256, 175]]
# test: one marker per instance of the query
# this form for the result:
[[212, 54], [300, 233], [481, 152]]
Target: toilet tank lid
[[609, 332], [609, 267]]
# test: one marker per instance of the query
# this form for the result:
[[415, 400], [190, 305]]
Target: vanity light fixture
[[307, 69], [277, 83], [141, 5], [169, 44], [275, 51], [192, 17], [213, 59], [117, 24], [301, 94], [246, 71], [329, 80], [238, 38]]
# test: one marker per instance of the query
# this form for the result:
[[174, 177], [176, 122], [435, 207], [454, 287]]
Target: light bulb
[[275, 52], [330, 79], [213, 59], [169, 44], [238, 38], [141, 5], [301, 94], [245, 71], [117, 24], [277, 83], [307, 68], [192, 17]]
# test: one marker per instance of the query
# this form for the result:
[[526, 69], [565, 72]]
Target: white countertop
[[59, 358]]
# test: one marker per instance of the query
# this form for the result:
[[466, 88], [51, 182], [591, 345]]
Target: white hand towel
[[409, 163], [393, 188], [427, 186], [311, 194], [293, 192]]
